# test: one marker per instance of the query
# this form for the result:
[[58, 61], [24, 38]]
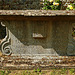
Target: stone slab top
[[38, 12]]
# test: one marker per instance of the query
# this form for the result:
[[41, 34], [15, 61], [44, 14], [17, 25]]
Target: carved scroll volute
[[6, 42], [71, 44]]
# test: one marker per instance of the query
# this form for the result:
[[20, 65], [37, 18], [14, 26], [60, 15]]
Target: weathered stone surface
[[38, 12], [19, 4], [27, 51], [2, 32], [17, 62], [26, 4], [71, 44], [37, 36], [60, 36], [0, 53], [20, 39]]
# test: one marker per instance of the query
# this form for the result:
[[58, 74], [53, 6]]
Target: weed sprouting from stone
[[72, 71], [38, 71], [63, 70], [2, 72]]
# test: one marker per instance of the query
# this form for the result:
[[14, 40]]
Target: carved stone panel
[[22, 41], [38, 37]]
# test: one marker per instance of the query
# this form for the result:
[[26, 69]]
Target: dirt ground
[[39, 72]]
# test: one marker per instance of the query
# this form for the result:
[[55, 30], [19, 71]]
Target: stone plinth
[[37, 38], [38, 33]]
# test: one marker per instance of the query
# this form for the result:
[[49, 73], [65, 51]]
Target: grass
[[39, 72], [72, 71]]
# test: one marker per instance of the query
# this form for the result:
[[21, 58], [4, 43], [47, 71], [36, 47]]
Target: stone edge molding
[[38, 12]]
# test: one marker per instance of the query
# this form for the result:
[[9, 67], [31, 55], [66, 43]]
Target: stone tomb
[[38, 32]]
